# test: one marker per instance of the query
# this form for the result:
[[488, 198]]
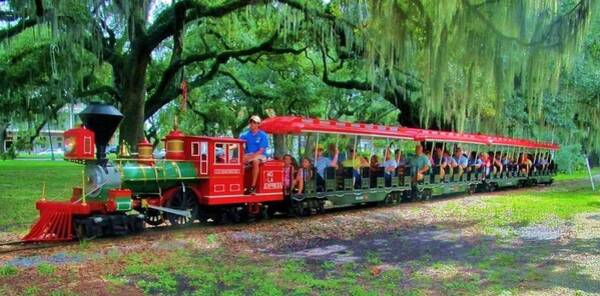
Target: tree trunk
[[134, 94], [3, 135], [279, 143]]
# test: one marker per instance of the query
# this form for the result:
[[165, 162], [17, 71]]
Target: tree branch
[[245, 90], [16, 29], [579, 10], [165, 24], [103, 89]]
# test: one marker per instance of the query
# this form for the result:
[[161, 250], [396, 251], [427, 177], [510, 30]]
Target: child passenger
[[305, 172], [289, 168]]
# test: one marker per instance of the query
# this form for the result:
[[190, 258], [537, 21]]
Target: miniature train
[[203, 178]]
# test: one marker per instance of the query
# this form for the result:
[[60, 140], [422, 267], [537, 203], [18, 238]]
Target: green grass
[[216, 273], [46, 269], [21, 186], [576, 175], [8, 271], [525, 208]]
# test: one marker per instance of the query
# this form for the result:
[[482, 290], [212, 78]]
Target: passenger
[[525, 164], [420, 164], [400, 160], [541, 162], [429, 156], [448, 162], [332, 151], [323, 162], [289, 166], [436, 158], [257, 143], [438, 162], [497, 162], [475, 162], [389, 166], [505, 161], [374, 166], [305, 172], [353, 161], [486, 163], [461, 160], [364, 162]]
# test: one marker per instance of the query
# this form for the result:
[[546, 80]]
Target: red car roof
[[297, 125]]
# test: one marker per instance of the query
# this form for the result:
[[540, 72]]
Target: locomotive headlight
[[69, 144]]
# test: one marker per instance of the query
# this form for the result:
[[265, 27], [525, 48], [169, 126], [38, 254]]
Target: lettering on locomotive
[[270, 181], [227, 172]]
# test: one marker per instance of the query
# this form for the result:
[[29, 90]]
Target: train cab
[[221, 173]]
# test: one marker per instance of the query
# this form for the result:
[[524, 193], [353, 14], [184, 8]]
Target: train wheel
[[321, 208], [300, 209], [491, 187], [154, 217], [386, 201], [426, 194], [409, 195], [471, 189], [184, 200]]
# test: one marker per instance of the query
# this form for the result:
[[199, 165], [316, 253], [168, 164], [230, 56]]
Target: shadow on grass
[[594, 204], [498, 264]]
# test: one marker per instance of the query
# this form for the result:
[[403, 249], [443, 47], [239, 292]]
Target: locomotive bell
[[103, 120]]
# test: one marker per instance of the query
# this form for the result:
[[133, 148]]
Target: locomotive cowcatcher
[[200, 178]]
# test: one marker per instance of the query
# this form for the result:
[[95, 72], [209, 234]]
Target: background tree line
[[519, 67]]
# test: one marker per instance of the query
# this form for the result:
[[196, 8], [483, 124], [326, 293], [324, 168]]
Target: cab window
[[220, 153], [234, 156]]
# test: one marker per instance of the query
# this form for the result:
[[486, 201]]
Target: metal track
[[16, 246]]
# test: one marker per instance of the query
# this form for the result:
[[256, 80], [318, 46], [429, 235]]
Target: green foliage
[[9, 154], [455, 63], [569, 158]]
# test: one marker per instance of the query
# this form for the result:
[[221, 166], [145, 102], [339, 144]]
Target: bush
[[570, 158], [9, 154]]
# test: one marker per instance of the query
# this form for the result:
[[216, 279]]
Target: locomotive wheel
[[82, 230], [154, 217], [184, 200], [135, 224]]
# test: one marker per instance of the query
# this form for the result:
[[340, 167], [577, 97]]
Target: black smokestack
[[103, 120]]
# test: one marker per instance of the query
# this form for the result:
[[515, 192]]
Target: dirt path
[[555, 258]]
